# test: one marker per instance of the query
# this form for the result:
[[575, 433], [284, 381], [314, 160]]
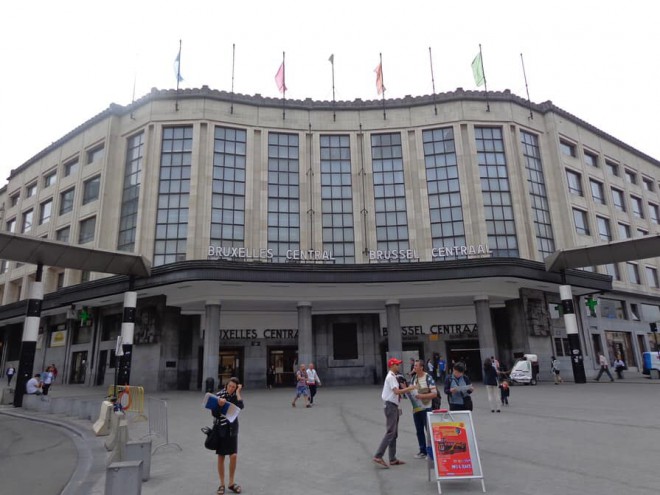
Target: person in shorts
[[302, 390]]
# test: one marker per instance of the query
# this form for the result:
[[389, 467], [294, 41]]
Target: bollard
[[7, 396], [139, 450], [119, 448], [102, 425], [114, 430], [124, 478]]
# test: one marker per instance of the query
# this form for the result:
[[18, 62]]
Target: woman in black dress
[[229, 439]]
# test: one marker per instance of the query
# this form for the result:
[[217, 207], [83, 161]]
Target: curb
[[91, 457]]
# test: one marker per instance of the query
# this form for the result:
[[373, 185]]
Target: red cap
[[393, 361]]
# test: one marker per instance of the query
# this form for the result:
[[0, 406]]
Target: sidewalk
[[592, 438]]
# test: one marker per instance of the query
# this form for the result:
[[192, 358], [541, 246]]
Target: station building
[[284, 232]]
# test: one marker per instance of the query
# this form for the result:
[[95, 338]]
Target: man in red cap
[[391, 396]]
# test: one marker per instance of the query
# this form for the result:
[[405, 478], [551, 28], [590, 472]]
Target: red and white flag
[[379, 79], [279, 79]]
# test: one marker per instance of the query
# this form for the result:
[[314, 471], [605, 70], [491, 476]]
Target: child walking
[[504, 392]]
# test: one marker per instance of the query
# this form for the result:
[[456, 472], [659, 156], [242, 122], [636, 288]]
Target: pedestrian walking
[[555, 368], [391, 395], [458, 388], [312, 381], [47, 379], [505, 391], [421, 399], [270, 377], [302, 390], [604, 367], [11, 371], [228, 443], [490, 380], [619, 367], [441, 368]]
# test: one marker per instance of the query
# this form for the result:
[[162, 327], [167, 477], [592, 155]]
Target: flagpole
[[283, 87], [481, 59], [529, 102], [435, 107], [178, 78], [332, 62], [233, 60], [382, 78]]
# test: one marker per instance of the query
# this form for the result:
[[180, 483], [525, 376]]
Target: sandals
[[235, 488], [221, 490], [396, 462], [380, 462]]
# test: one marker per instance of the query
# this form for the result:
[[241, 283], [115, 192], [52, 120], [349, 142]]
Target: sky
[[64, 62]]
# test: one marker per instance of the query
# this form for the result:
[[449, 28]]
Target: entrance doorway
[[231, 364], [285, 361], [78, 367], [466, 351], [100, 375]]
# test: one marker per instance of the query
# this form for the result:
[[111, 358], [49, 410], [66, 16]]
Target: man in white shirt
[[33, 385], [391, 396], [604, 367], [312, 381]]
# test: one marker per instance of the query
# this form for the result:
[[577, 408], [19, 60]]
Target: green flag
[[478, 70]]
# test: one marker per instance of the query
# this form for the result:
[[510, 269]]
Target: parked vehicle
[[524, 370]]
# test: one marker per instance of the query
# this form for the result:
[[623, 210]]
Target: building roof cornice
[[308, 104]]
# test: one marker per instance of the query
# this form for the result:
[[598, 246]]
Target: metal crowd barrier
[[130, 397], [158, 426]]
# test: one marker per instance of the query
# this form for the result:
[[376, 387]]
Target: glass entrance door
[[285, 361], [78, 367]]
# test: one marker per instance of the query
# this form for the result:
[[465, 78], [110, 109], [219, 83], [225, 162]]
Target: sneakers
[[420, 455]]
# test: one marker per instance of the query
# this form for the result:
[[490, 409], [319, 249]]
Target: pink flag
[[279, 79], [379, 79]]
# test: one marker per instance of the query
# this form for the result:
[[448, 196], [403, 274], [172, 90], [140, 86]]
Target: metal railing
[[158, 426]]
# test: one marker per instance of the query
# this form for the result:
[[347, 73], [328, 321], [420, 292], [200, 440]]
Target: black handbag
[[213, 436], [467, 403]]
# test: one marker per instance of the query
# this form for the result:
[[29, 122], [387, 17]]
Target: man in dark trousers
[[391, 396]]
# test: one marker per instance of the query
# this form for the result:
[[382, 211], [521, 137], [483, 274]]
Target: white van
[[651, 362]]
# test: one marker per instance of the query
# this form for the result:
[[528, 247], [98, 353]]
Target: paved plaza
[[594, 438]]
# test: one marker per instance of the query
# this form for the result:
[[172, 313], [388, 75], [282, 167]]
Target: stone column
[[485, 325], [394, 344], [211, 342], [305, 343]]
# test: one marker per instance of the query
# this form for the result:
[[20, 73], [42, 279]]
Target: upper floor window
[[612, 168], [631, 176], [590, 158], [648, 184], [11, 225], [87, 228], [13, 199], [581, 223], [28, 218], [636, 204], [95, 154], [612, 270], [597, 191], [618, 200], [49, 178], [63, 234], [66, 201], [567, 148], [31, 189], [652, 277], [604, 230], [654, 213], [574, 182], [633, 273], [642, 232], [91, 189], [71, 167], [45, 211], [624, 231]]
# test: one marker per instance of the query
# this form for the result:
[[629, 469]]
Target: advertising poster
[[452, 450], [58, 338]]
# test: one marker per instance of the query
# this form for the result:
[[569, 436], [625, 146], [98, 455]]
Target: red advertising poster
[[452, 450]]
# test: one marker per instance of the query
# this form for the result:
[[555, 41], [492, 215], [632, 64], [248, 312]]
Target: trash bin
[[210, 384]]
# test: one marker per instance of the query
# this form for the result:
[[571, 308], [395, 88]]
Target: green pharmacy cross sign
[[591, 303], [85, 316]]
